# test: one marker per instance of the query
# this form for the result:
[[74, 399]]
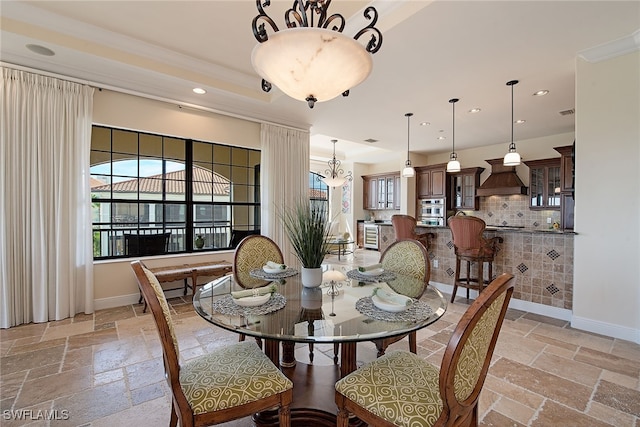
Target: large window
[[154, 194], [318, 191]]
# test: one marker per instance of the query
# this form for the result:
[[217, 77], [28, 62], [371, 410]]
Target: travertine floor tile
[[618, 397], [554, 414], [543, 383], [570, 369]]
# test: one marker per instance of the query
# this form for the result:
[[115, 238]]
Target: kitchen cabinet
[[431, 181], [566, 185], [544, 183], [463, 188], [381, 192], [566, 168]]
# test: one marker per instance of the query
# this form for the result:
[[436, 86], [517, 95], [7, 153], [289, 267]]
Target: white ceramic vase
[[311, 298], [311, 277]]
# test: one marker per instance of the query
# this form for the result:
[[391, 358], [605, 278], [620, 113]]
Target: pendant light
[[512, 158], [454, 164], [408, 171]]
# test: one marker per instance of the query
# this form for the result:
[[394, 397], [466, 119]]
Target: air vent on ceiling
[[370, 140], [567, 112]]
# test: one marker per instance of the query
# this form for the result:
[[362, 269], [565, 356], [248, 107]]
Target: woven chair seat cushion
[[399, 387], [232, 376]]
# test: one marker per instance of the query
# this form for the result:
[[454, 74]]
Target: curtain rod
[[180, 104]]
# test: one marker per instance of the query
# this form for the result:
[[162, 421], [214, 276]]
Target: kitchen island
[[540, 259]]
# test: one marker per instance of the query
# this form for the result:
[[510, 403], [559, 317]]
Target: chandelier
[[333, 176], [312, 61]]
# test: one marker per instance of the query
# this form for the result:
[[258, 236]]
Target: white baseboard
[[531, 307], [582, 323], [121, 300], [608, 329]]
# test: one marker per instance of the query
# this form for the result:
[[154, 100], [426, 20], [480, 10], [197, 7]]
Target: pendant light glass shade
[[408, 170], [512, 158], [454, 164]]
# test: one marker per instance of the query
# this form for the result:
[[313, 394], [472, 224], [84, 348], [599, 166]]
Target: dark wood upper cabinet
[[544, 183], [381, 192], [463, 188], [431, 181], [566, 168]]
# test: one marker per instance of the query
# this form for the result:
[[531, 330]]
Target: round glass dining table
[[326, 314]]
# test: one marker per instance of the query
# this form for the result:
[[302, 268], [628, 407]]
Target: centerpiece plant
[[307, 226]]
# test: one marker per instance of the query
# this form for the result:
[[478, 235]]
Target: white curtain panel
[[46, 255], [284, 179]]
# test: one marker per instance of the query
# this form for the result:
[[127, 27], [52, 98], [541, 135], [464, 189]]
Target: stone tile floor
[[105, 369]]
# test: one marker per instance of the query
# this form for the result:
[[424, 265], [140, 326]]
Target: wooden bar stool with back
[[471, 246]]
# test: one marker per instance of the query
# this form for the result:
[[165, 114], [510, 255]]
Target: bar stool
[[472, 247], [404, 227]]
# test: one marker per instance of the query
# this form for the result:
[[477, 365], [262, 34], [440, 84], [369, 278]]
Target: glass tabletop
[[326, 314]]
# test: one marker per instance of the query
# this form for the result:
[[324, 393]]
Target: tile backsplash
[[514, 211], [499, 210]]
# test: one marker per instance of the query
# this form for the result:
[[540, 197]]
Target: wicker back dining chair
[[402, 389], [253, 252], [232, 382], [409, 258]]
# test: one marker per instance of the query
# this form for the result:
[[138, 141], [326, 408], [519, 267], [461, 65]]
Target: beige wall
[[114, 283], [607, 248]]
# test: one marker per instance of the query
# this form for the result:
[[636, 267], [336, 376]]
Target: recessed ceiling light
[[519, 121], [199, 91], [425, 124], [40, 50], [475, 110], [440, 138], [541, 93]]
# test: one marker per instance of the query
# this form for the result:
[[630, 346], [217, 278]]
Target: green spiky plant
[[307, 225]]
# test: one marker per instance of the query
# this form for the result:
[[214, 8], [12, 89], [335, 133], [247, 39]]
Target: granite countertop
[[489, 228]]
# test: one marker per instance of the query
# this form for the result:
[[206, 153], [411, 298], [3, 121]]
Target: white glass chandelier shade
[[334, 182], [408, 171], [454, 164], [312, 63], [512, 158]]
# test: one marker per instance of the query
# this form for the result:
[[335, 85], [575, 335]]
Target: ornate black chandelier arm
[[374, 42], [302, 13], [259, 31]]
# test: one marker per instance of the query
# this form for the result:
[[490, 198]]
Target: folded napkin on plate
[[369, 267], [269, 289], [274, 265], [392, 297]]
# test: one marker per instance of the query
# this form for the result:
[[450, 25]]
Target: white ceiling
[[432, 51]]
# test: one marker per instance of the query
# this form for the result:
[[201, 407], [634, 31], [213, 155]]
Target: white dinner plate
[[389, 306], [374, 272], [252, 301], [269, 270]]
